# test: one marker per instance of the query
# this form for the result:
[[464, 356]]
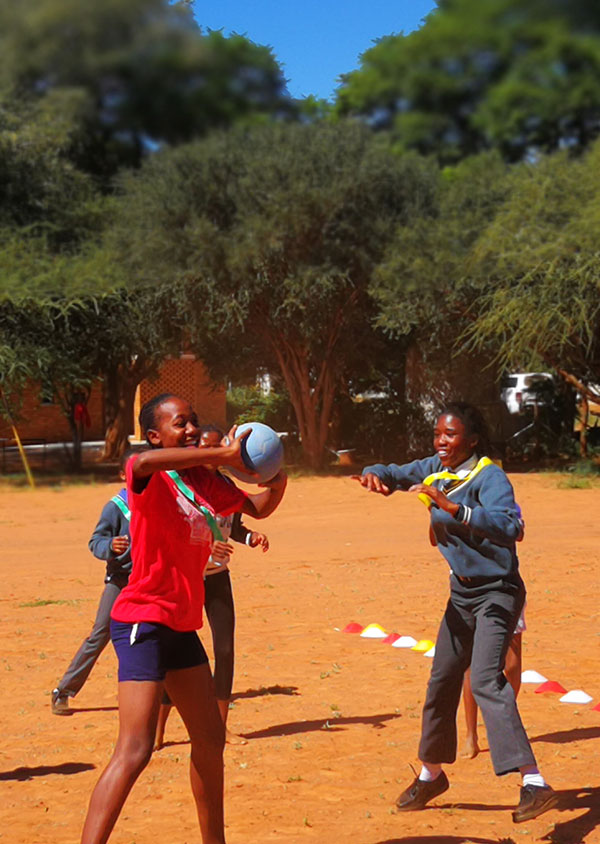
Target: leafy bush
[[250, 404]]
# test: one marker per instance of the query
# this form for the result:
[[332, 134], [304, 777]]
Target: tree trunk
[[583, 418], [312, 403], [77, 439], [120, 387]]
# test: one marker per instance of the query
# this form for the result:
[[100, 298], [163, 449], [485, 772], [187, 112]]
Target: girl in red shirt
[[173, 501]]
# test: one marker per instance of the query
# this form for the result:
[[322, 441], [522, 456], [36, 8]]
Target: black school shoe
[[419, 793], [535, 800]]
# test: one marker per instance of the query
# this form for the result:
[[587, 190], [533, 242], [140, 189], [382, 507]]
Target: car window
[[535, 379], [509, 381]]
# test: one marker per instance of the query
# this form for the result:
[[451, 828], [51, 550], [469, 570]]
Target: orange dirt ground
[[332, 719]]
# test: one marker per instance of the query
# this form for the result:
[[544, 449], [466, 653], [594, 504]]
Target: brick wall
[[46, 421], [188, 378], [185, 376]]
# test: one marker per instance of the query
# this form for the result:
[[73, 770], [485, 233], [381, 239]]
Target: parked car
[[522, 390], [592, 420]]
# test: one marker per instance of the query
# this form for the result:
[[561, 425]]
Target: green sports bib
[[189, 494]]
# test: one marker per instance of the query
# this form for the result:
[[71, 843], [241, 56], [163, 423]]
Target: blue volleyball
[[262, 452]]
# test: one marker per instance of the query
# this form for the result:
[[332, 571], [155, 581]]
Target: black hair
[[210, 428], [129, 452], [474, 422], [147, 417]]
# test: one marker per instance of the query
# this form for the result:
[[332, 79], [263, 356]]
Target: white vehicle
[[521, 390]]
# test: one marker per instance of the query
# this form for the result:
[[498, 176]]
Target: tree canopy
[[537, 263], [517, 75], [141, 71], [274, 235]]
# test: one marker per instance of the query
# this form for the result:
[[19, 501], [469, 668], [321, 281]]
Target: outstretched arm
[[157, 459], [385, 479]]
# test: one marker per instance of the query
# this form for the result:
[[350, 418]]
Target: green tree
[[56, 271], [538, 265], [423, 287], [518, 75], [143, 71], [273, 235]]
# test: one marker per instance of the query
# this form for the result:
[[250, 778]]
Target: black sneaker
[[419, 793], [60, 703], [535, 800]]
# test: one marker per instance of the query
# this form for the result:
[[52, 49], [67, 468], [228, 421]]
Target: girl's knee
[[209, 746], [486, 684], [134, 754]]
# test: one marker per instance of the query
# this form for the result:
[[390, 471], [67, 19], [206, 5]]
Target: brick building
[[185, 376]]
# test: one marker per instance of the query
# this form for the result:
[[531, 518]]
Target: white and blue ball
[[262, 452]]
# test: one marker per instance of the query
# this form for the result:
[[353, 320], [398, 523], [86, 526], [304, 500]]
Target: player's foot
[[470, 748], [535, 800], [60, 703], [234, 738], [419, 793]]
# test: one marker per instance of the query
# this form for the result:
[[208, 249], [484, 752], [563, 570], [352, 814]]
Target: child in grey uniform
[[110, 542], [476, 525]]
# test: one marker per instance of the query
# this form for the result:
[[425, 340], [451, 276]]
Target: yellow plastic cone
[[373, 631], [423, 645]]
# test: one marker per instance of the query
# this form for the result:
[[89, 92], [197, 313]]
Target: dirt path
[[333, 719]]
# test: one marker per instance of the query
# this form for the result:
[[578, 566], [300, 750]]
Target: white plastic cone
[[576, 696], [404, 642], [532, 677]]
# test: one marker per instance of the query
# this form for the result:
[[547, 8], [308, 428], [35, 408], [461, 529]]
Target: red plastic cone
[[353, 627], [550, 686], [597, 707], [391, 638]]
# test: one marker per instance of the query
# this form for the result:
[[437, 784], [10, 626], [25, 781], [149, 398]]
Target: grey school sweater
[[480, 540], [111, 523]]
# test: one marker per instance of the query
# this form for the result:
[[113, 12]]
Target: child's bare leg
[[192, 692], [471, 746], [514, 662], [163, 714], [138, 711], [230, 738]]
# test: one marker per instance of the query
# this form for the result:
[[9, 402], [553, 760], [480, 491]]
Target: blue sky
[[314, 40]]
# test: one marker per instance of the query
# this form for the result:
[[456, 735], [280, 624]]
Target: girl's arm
[[495, 517], [386, 479], [158, 459], [262, 504], [239, 531]]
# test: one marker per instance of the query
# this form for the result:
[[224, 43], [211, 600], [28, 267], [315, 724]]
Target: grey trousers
[[91, 647], [476, 630]]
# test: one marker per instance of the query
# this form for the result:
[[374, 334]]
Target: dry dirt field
[[332, 720]]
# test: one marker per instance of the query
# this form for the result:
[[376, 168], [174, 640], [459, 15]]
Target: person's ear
[[153, 437]]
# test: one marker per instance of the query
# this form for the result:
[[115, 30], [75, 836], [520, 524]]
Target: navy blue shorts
[[146, 651]]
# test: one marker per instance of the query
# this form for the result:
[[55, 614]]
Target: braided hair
[[147, 417], [474, 422]]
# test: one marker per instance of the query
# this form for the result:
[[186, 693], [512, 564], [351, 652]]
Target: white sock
[[531, 776], [430, 772]]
